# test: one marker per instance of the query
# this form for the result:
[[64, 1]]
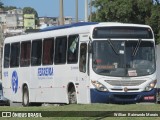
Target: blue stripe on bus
[[121, 97]]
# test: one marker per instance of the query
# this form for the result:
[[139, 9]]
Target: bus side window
[[6, 55], [36, 52], [60, 50], [15, 50], [25, 54], [83, 55], [48, 50], [73, 44]]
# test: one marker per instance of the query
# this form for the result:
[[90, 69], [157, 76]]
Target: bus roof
[[76, 28], [68, 26]]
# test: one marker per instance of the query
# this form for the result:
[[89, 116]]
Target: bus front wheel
[[72, 96], [25, 98]]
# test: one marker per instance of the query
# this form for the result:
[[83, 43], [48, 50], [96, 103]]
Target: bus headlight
[[99, 86], [151, 85]]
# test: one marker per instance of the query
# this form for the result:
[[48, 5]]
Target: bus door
[[83, 87]]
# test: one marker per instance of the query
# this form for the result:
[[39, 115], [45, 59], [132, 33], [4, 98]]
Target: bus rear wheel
[[72, 96], [25, 98]]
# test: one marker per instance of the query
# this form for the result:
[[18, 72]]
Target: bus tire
[[158, 98], [72, 96], [25, 97]]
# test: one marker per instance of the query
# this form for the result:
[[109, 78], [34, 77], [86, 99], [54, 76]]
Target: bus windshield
[[123, 58]]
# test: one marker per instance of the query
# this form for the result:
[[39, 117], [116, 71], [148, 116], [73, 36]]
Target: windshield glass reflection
[[123, 58]]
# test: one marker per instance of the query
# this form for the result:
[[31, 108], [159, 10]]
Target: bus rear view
[[123, 64]]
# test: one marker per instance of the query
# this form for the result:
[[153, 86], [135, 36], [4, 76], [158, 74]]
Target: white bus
[[81, 63]]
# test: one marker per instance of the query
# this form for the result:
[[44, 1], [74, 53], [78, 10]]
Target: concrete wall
[[11, 20]]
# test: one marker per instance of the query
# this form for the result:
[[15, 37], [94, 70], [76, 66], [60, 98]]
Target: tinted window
[[36, 52], [73, 42], [123, 58], [6, 55], [48, 49], [83, 55], [60, 50], [15, 50], [25, 53]]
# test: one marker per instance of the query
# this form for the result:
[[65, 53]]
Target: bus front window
[[123, 58]]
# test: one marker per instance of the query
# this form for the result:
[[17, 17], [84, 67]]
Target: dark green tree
[[29, 10], [129, 11], [1, 5], [154, 22], [133, 11], [6, 8]]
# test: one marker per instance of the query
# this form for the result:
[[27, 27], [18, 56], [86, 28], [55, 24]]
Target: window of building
[[15, 50], [25, 54], [60, 50], [6, 55], [36, 52], [48, 50], [73, 43], [83, 55]]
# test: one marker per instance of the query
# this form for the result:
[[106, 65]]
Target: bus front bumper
[[122, 97]]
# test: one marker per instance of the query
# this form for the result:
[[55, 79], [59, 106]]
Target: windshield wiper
[[136, 48], [110, 43]]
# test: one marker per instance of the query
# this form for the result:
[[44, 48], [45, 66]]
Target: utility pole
[[86, 11], [90, 11], [76, 11], [61, 15]]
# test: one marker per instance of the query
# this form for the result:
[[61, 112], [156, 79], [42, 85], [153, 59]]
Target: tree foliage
[[6, 8], [1, 4], [29, 10], [129, 11]]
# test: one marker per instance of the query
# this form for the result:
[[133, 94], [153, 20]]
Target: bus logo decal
[[5, 74], [45, 73], [14, 81]]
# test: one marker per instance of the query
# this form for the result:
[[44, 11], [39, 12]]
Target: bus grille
[[125, 82]]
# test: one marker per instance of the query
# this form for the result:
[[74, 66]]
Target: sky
[[49, 8]]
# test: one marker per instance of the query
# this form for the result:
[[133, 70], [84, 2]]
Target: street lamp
[[61, 16], [86, 11], [90, 11], [76, 11]]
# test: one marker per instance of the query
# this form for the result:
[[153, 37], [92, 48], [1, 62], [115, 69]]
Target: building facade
[[29, 21]]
